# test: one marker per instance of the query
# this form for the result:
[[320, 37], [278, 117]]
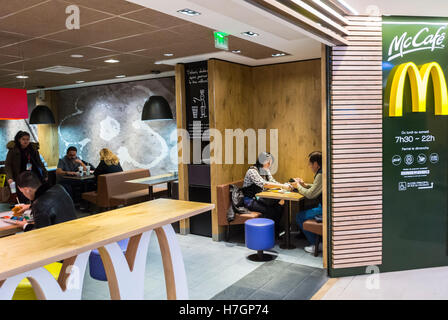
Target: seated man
[[49, 205], [70, 163], [311, 191], [68, 166]]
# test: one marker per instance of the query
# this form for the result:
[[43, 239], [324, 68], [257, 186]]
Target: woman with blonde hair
[[109, 163]]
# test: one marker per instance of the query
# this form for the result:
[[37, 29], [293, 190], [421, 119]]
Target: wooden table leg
[[151, 193], [288, 245], [170, 190]]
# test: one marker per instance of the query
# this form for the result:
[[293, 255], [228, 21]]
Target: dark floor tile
[[306, 289], [284, 282], [265, 295], [234, 292]]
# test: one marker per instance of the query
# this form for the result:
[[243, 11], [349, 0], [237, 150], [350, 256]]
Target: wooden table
[[24, 255], [287, 196], [155, 180]]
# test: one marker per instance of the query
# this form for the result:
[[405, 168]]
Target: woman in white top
[[257, 178]]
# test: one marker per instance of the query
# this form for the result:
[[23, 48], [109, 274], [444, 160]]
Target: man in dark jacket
[[49, 205]]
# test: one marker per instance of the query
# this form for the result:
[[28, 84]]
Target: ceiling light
[[42, 115], [156, 108], [112, 61], [280, 54], [168, 54], [120, 76], [236, 51], [77, 56], [80, 81], [22, 77], [250, 34], [189, 12]]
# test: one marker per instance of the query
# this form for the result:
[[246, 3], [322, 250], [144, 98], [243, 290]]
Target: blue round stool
[[260, 236], [96, 264]]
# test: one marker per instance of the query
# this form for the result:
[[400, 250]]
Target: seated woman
[[258, 177], [109, 163], [311, 191]]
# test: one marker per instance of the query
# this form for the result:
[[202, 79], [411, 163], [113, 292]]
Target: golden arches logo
[[419, 80]]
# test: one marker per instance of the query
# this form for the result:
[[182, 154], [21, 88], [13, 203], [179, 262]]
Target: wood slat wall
[[356, 146]]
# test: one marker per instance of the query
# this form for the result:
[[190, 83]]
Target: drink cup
[[12, 186], [81, 170], [88, 170]]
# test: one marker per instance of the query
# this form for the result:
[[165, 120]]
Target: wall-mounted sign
[[415, 143], [196, 92], [221, 40], [13, 104]]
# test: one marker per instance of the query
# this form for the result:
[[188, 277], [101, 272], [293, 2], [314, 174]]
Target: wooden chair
[[316, 228], [223, 204]]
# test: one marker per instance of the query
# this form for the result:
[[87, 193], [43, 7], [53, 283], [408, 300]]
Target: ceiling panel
[[35, 48], [155, 18], [48, 17], [116, 7], [250, 49], [106, 30], [7, 59], [11, 6], [8, 38], [144, 41]]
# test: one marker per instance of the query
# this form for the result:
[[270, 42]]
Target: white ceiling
[[433, 8], [235, 17]]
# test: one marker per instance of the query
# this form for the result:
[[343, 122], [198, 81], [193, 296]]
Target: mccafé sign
[[424, 39], [419, 79]]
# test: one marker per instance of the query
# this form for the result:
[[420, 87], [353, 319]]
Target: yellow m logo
[[419, 80]]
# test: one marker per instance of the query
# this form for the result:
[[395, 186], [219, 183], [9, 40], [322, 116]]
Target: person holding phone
[[311, 191]]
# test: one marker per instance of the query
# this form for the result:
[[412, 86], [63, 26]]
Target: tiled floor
[[276, 280], [421, 284], [211, 267]]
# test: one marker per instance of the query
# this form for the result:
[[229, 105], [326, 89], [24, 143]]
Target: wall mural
[[109, 116], [9, 128]]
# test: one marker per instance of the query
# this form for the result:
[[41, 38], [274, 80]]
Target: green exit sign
[[221, 40]]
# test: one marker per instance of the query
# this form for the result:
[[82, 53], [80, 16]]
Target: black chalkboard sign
[[196, 91]]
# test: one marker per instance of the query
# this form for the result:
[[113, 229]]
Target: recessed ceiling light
[[112, 61], [280, 54], [120, 76], [189, 12], [236, 51], [168, 54], [250, 34], [77, 56], [22, 77], [80, 81]]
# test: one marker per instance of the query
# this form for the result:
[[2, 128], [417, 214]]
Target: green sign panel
[[415, 143], [221, 40]]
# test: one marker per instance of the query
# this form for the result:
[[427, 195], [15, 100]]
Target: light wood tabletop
[[284, 195], [154, 180], [31, 250], [89, 177]]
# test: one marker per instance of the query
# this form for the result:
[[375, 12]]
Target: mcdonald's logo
[[419, 80]]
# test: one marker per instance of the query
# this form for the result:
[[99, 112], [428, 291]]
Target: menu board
[[196, 91]]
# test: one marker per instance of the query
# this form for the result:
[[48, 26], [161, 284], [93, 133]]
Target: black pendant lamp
[[156, 108], [42, 115]]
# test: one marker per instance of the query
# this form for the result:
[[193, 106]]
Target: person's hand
[[287, 186], [10, 181], [79, 161], [300, 181], [71, 173]]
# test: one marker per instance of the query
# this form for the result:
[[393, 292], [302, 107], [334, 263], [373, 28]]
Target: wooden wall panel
[[230, 102], [48, 133], [288, 98], [356, 147]]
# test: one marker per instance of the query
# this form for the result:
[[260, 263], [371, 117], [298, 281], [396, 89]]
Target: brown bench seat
[[223, 204], [113, 190]]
